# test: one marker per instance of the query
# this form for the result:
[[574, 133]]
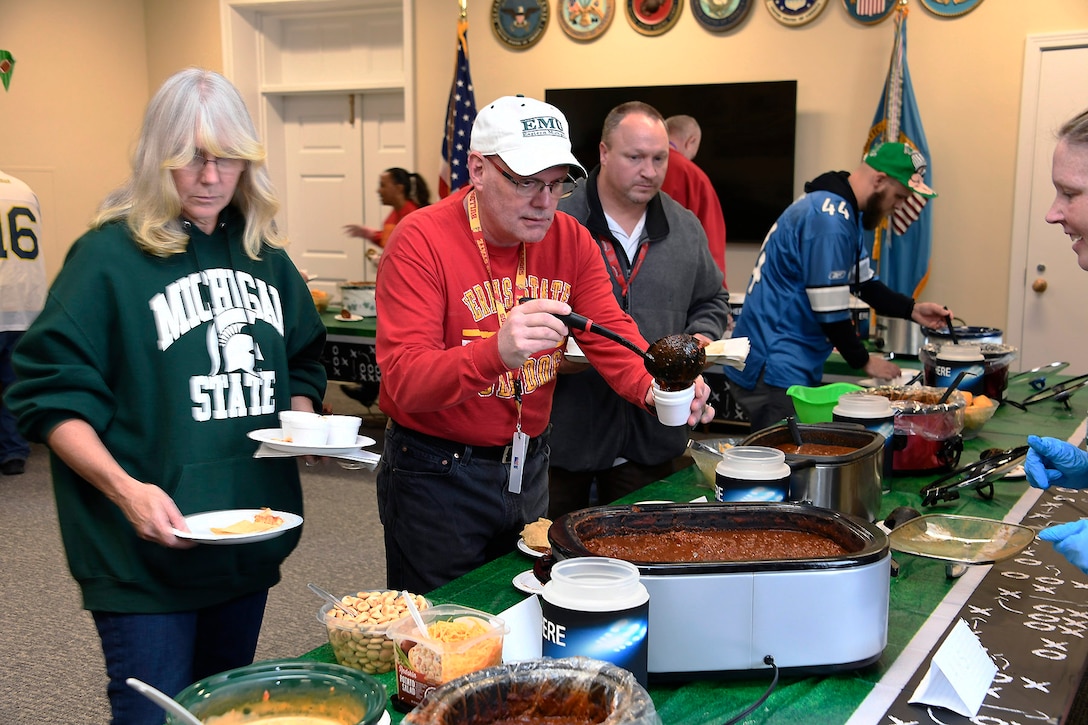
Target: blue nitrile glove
[[1071, 541], [1051, 462]]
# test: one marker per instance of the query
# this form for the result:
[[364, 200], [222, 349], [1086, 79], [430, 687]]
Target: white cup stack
[[311, 429]]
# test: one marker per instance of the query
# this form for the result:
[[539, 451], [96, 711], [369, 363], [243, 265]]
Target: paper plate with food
[[275, 438], [731, 351], [346, 315], [534, 538], [238, 526]]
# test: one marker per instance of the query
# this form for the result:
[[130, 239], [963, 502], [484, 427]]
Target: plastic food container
[[928, 436], [362, 642], [815, 405], [995, 367], [473, 642], [571, 687], [284, 688], [752, 473]]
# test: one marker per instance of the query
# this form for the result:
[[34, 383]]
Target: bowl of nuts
[[361, 641]]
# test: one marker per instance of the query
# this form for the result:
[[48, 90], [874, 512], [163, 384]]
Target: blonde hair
[[194, 109], [1075, 130]]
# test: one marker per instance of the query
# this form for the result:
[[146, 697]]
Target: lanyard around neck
[[520, 282], [521, 279], [624, 281]]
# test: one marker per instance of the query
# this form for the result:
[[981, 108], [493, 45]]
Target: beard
[[872, 215]]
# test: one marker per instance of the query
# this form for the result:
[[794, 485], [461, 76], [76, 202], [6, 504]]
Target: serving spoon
[[164, 701], [333, 600]]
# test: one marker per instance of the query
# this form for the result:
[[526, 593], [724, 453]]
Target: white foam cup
[[305, 429], [343, 429], [673, 406]]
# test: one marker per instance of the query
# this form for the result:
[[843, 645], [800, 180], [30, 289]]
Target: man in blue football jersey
[[797, 305]]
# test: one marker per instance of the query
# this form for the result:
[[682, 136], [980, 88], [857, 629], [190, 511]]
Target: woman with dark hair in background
[[177, 325], [400, 189]]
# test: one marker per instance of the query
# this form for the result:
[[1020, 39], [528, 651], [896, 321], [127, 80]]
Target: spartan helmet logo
[[230, 347]]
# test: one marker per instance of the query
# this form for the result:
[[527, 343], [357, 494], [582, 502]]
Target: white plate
[[528, 550], [574, 353], [201, 525], [274, 438], [527, 582], [354, 317]]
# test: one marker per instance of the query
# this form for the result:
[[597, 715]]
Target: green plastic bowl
[[288, 687], [814, 405]]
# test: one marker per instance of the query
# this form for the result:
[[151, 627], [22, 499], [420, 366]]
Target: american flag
[[460, 114], [902, 249], [871, 7]]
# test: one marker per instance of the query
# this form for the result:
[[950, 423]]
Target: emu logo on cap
[[542, 126]]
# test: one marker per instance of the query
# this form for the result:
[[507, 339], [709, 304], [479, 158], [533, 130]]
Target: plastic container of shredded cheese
[[459, 640]]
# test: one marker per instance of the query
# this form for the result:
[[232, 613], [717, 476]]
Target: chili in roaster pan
[[960, 540]]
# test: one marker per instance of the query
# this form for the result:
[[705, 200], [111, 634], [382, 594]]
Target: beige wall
[[76, 100], [66, 123], [967, 79]]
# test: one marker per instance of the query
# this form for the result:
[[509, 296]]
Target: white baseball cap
[[529, 135]]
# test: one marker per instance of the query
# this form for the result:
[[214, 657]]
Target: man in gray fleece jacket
[[664, 276]]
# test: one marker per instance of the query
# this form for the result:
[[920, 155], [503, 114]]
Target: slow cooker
[[898, 336], [812, 615], [965, 333], [850, 482], [927, 436]]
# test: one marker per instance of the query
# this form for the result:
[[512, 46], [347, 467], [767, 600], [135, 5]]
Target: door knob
[[1039, 285]]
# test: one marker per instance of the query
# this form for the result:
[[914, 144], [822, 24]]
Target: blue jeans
[[172, 651], [446, 512], [12, 445]]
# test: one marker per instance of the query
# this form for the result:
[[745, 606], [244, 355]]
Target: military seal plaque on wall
[[585, 19], [870, 12], [950, 8], [795, 12], [653, 17], [519, 23], [720, 15]]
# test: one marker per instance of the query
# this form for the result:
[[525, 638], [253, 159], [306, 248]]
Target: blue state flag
[[901, 245], [460, 115]]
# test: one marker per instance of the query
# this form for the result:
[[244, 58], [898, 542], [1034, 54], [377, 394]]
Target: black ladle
[[952, 386], [674, 361], [951, 330], [795, 430]]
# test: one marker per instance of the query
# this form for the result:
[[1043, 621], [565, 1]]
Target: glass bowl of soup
[[286, 692]]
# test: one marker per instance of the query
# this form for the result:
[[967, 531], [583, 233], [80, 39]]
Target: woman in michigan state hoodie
[[177, 325]]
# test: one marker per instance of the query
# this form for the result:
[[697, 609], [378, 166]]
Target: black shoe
[[365, 393], [13, 467]]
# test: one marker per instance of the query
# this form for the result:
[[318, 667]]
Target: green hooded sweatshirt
[[171, 361]]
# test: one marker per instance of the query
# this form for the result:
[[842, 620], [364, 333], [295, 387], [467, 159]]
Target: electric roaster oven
[[820, 613]]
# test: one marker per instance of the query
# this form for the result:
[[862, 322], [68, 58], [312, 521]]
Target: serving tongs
[[979, 476]]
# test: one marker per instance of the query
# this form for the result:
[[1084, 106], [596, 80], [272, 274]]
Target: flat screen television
[[747, 148]]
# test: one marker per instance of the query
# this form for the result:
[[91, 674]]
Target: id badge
[[518, 447]]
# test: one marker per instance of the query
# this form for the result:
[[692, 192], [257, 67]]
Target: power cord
[[769, 661]]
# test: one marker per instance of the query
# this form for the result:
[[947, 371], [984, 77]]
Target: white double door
[[335, 149]]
